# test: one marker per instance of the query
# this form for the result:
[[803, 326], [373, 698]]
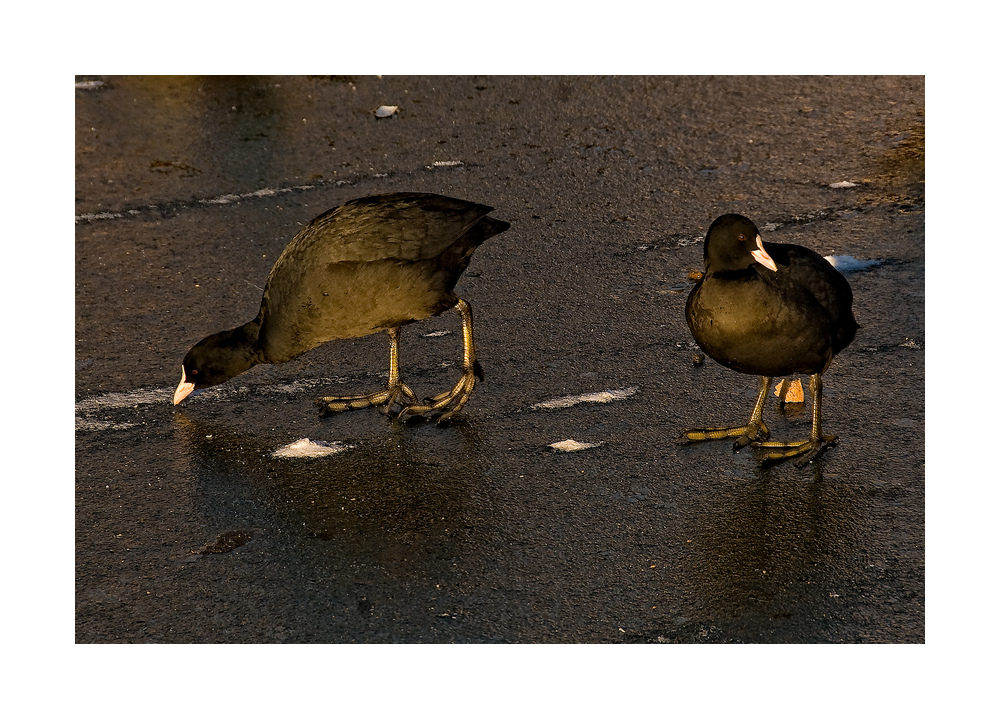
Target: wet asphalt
[[189, 530]]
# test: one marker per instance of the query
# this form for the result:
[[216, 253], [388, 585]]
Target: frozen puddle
[[308, 448], [608, 395], [571, 445], [103, 412], [107, 411], [219, 200], [85, 424], [301, 385], [124, 400], [847, 263]]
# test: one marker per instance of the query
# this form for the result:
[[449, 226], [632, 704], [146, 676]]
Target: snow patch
[[308, 448], [571, 445], [847, 263], [604, 396]]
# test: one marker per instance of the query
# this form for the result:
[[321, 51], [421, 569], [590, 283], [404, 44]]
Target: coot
[[370, 265], [768, 309]]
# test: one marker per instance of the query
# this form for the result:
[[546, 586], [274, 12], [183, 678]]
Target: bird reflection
[[764, 537], [400, 499], [763, 548]]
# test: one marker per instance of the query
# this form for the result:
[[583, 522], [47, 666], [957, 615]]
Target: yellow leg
[[454, 399], [808, 448], [395, 393], [750, 432]]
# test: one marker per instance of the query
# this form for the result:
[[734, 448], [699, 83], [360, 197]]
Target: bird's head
[[733, 243]]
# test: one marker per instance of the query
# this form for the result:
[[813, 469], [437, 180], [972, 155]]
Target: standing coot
[[372, 264], [768, 309]]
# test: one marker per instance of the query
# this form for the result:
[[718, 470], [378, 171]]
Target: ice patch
[[90, 216], [300, 385], [571, 445], [220, 200], [86, 408], [847, 263], [608, 395], [85, 424], [841, 185], [438, 333], [139, 397], [125, 400], [308, 448]]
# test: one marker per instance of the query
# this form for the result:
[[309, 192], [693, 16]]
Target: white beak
[[184, 388], [759, 254]]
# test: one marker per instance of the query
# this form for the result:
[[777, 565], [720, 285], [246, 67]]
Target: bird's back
[[406, 226], [367, 265], [812, 272]]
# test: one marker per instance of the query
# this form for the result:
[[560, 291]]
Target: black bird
[[768, 309], [370, 265]]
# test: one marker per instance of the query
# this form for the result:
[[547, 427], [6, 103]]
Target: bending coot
[[768, 309], [370, 265]]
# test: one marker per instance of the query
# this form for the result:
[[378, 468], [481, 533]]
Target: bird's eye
[[194, 371], [743, 238]]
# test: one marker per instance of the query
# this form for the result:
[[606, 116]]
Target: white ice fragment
[[99, 216], [847, 263], [99, 425], [221, 200], [300, 385], [571, 445], [307, 448], [89, 85], [447, 163], [608, 395], [438, 333], [843, 184], [386, 110], [124, 400]]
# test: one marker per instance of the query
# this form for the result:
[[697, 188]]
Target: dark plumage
[[768, 309], [371, 264]]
